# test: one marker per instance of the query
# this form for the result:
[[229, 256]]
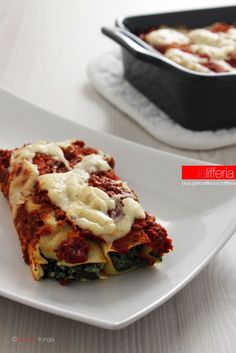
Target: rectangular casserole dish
[[197, 101]]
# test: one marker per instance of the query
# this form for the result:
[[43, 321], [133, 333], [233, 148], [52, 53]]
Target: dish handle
[[134, 45]]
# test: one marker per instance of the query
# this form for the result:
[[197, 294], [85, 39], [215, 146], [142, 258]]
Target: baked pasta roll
[[75, 218]]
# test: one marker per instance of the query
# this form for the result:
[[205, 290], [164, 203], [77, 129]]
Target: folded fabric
[[106, 75]]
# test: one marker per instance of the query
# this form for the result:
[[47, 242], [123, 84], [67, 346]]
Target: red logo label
[[208, 172]]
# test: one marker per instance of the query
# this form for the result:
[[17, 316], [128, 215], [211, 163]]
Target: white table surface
[[44, 49]]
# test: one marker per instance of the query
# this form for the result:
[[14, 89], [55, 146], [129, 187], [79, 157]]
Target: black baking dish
[[195, 100]]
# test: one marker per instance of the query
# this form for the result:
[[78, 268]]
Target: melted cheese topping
[[188, 60], [22, 184], [218, 47], [65, 143], [28, 152], [204, 36], [231, 34], [166, 36], [93, 163], [224, 65], [218, 53], [88, 206]]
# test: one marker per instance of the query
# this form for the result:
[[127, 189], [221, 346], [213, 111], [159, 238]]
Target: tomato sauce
[[75, 152], [73, 250], [5, 157], [219, 27], [108, 182], [146, 231], [47, 164]]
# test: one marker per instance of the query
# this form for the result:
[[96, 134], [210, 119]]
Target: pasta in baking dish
[[75, 218], [207, 50]]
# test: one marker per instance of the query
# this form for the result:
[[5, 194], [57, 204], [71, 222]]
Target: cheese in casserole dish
[[207, 50]]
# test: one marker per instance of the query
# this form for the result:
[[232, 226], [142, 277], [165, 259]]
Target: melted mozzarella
[[166, 36], [28, 152], [224, 65], [65, 143], [93, 163], [204, 36], [231, 34], [131, 210], [218, 53], [88, 206], [218, 46], [187, 60]]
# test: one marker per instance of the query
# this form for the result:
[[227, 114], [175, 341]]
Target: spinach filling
[[79, 272], [129, 260]]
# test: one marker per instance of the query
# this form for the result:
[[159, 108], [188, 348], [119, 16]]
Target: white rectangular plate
[[199, 219]]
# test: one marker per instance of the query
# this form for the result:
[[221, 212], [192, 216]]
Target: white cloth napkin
[[106, 75]]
